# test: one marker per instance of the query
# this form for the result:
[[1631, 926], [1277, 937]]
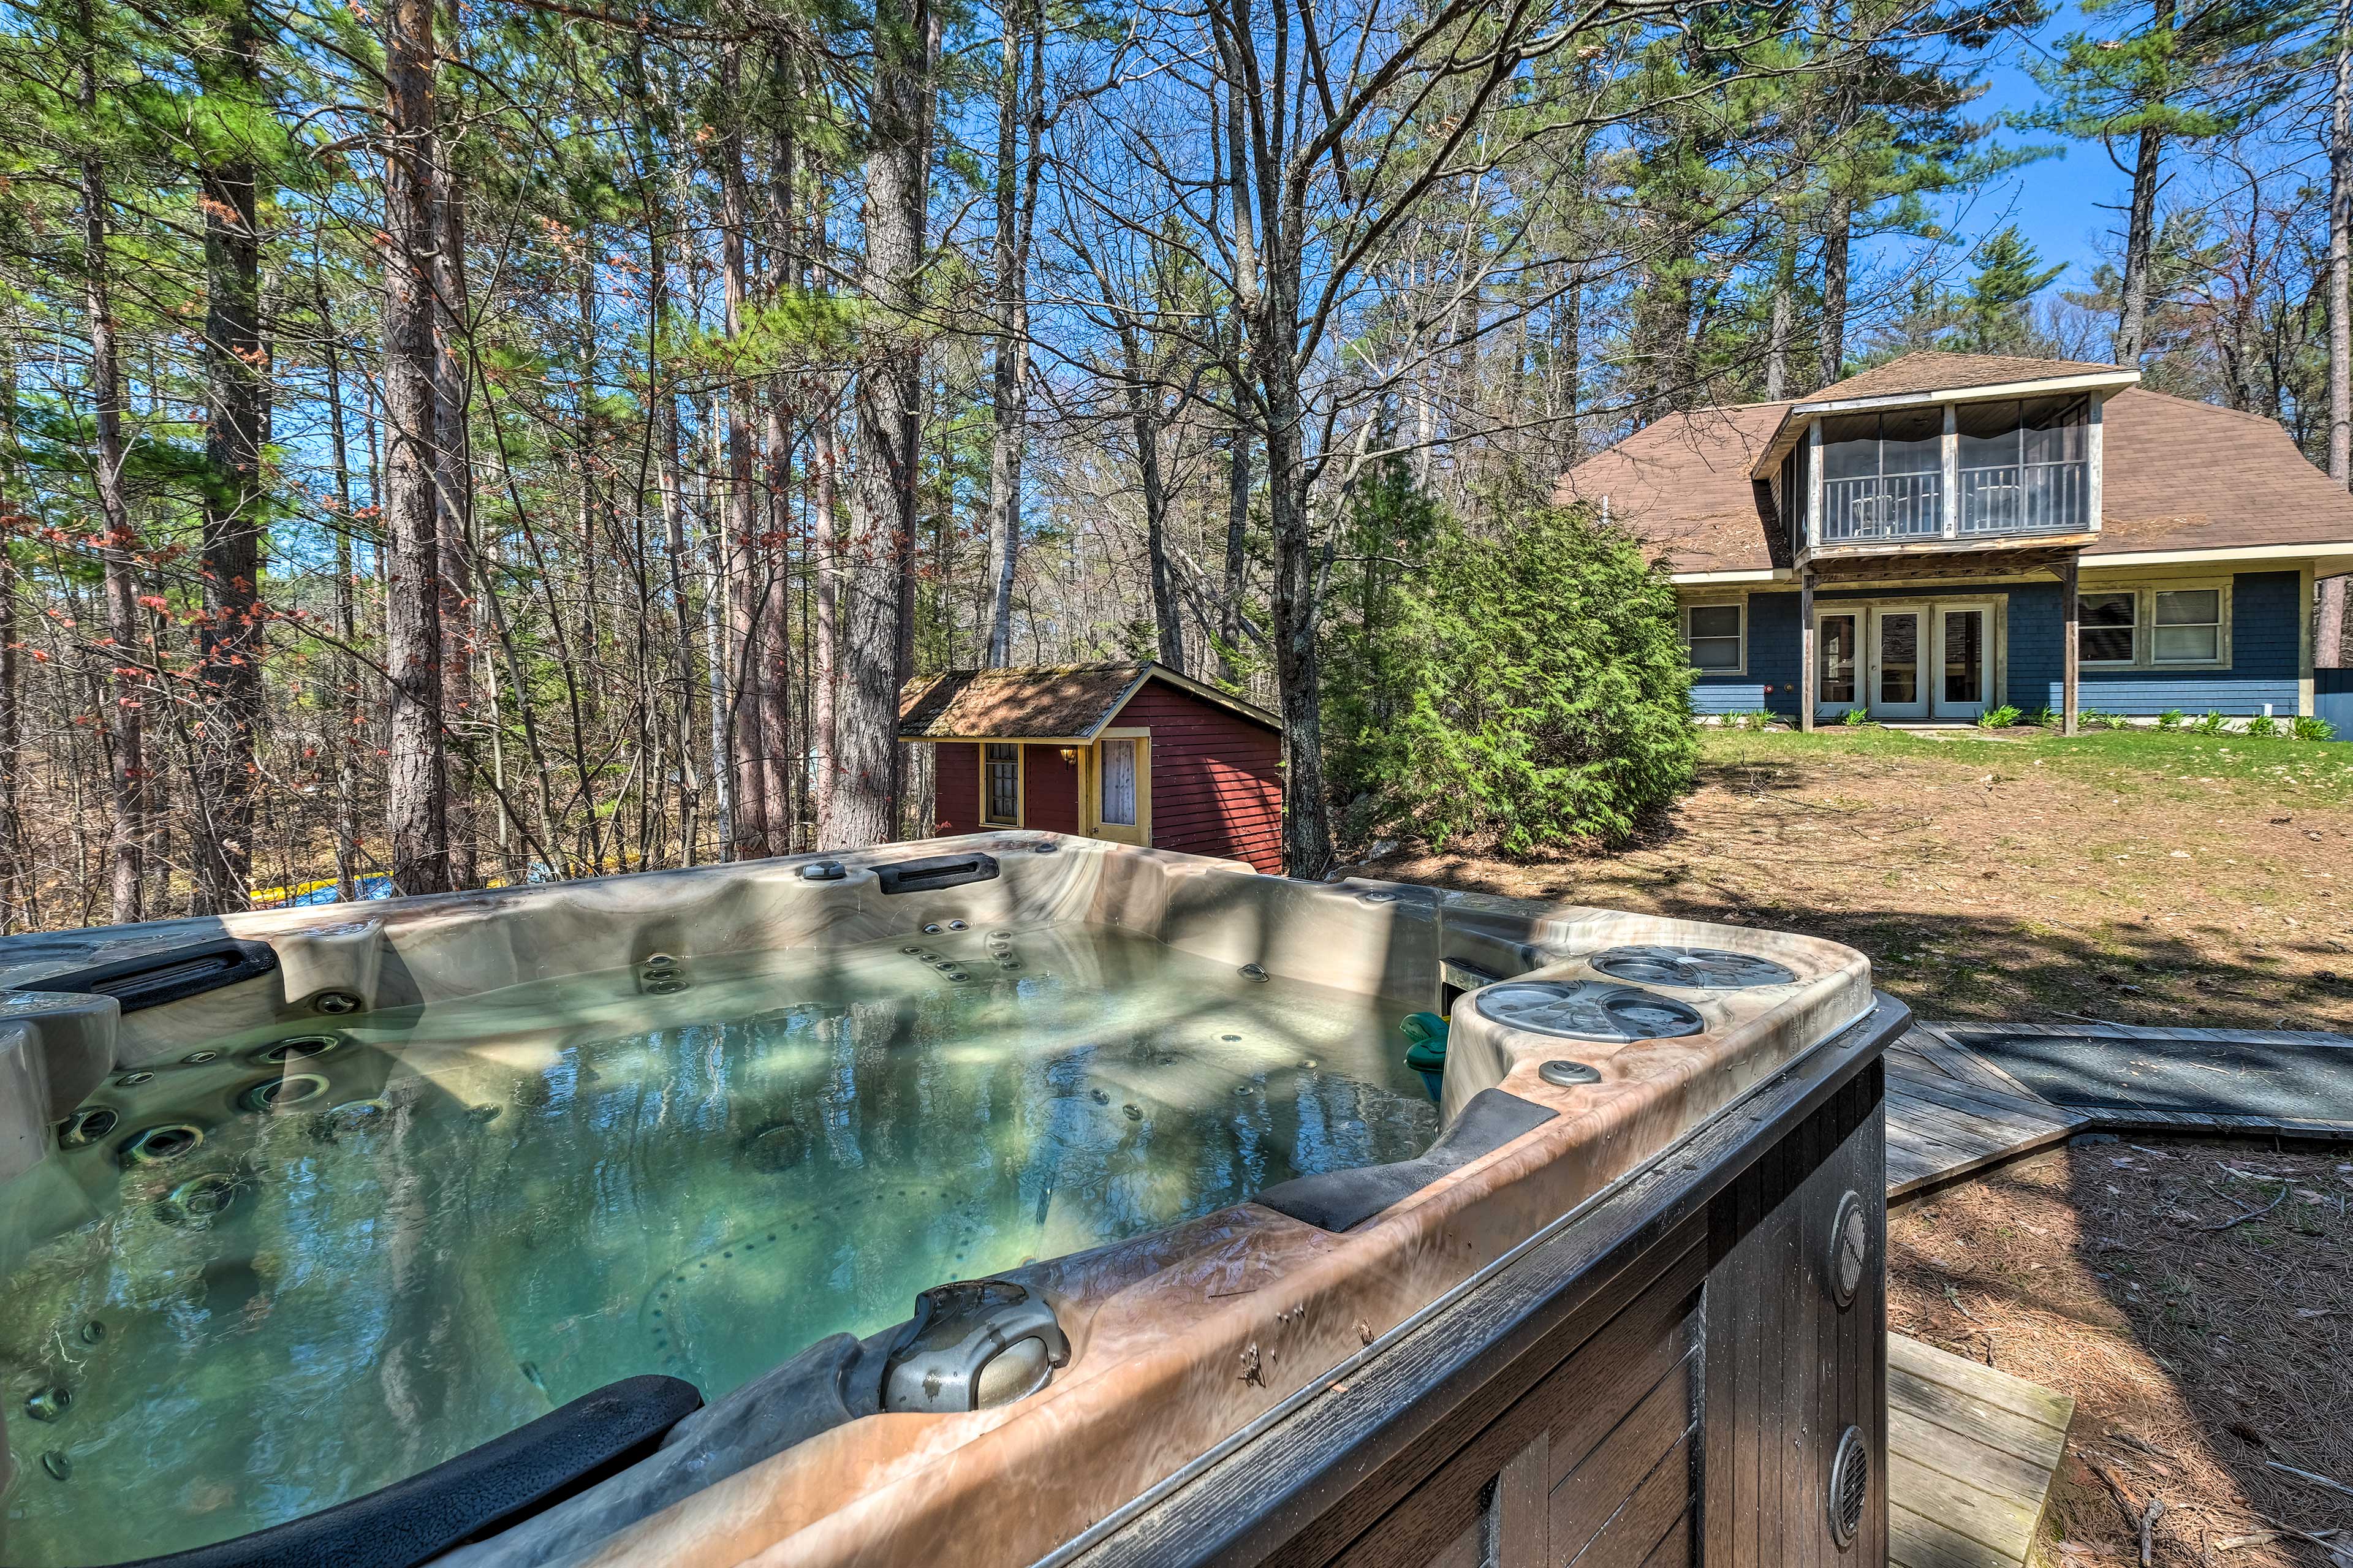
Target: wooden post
[[1950, 455], [2092, 444], [1805, 650], [2070, 656], [1813, 486]]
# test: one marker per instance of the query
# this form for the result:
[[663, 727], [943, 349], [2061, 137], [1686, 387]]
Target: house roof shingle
[[1932, 370], [1040, 702], [2176, 475]]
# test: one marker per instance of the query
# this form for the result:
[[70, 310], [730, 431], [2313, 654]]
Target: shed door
[[1121, 803]]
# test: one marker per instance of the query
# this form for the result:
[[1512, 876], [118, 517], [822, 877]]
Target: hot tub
[[984, 1200]]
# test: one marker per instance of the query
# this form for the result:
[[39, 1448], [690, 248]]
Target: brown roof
[[2176, 475], [1932, 371], [1040, 702], [1682, 485]]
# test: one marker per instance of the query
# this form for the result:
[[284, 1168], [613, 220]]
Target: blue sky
[[2062, 204]]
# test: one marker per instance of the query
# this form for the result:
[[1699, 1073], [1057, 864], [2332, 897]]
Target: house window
[[2188, 626], [1713, 634], [2104, 633], [1000, 784], [1119, 783]]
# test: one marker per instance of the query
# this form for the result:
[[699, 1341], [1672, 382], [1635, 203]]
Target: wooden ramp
[[1950, 1111], [1953, 1108], [1970, 1454]]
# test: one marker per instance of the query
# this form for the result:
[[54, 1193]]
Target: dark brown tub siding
[[1217, 778], [1698, 1425]]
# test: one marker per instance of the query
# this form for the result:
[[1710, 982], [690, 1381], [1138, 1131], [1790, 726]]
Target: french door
[[1839, 680], [1902, 662], [1899, 685], [1963, 664]]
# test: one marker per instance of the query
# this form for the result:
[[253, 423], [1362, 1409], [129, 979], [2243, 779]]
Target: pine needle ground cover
[[2200, 880]]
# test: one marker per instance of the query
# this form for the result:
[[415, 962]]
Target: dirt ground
[[2203, 1354], [2133, 876]]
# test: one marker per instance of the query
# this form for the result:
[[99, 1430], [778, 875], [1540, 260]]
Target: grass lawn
[[2137, 877]]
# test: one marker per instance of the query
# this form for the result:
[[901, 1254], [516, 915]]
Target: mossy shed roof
[[1043, 702]]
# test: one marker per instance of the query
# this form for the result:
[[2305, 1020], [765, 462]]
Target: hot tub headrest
[[1338, 1200]]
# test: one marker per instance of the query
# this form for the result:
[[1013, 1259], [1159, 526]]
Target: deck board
[[1953, 1109], [1971, 1452], [1950, 1113]]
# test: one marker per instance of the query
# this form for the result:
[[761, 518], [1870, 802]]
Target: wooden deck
[[1970, 1454], [1952, 1111]]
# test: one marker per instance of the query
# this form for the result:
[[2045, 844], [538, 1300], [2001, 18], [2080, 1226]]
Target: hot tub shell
[[1192, 1346]]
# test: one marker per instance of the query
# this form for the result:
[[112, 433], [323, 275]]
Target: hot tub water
[[443, 1222]]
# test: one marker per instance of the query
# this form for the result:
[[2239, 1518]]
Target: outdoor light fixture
[[1071, 755]]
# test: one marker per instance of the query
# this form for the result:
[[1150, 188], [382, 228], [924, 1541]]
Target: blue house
[[1945, 533]]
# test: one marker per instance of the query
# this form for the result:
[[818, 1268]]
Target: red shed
[[1132, 753]]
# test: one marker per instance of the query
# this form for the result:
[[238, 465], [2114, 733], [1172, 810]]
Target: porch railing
[[2025, 498], [1882, 506]]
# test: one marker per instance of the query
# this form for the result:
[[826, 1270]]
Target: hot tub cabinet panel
[[1665, 1381], [1597, 1323]]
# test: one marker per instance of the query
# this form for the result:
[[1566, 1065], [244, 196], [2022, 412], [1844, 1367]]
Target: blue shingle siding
[[1727, 694], [2266, 629], [2266, 651], [2038, 641], [1772, 661]]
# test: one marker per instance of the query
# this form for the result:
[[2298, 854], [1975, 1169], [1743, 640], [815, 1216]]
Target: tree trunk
[[1784, 317], [347, 674], [2140, 231], [1143, 421], [127, 836], [752, 810], [453, 492], [1837, 234], [236, 392], [1306, 818], [13, 880], [863, 806], [825, 540], [1021, 97], [773, 681], [2329, 636], [417, 781], [1229, 607]]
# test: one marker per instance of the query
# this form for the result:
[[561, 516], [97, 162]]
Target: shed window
[[1002, 785], [2104, 634], [1712, 633], [2188, 626]]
